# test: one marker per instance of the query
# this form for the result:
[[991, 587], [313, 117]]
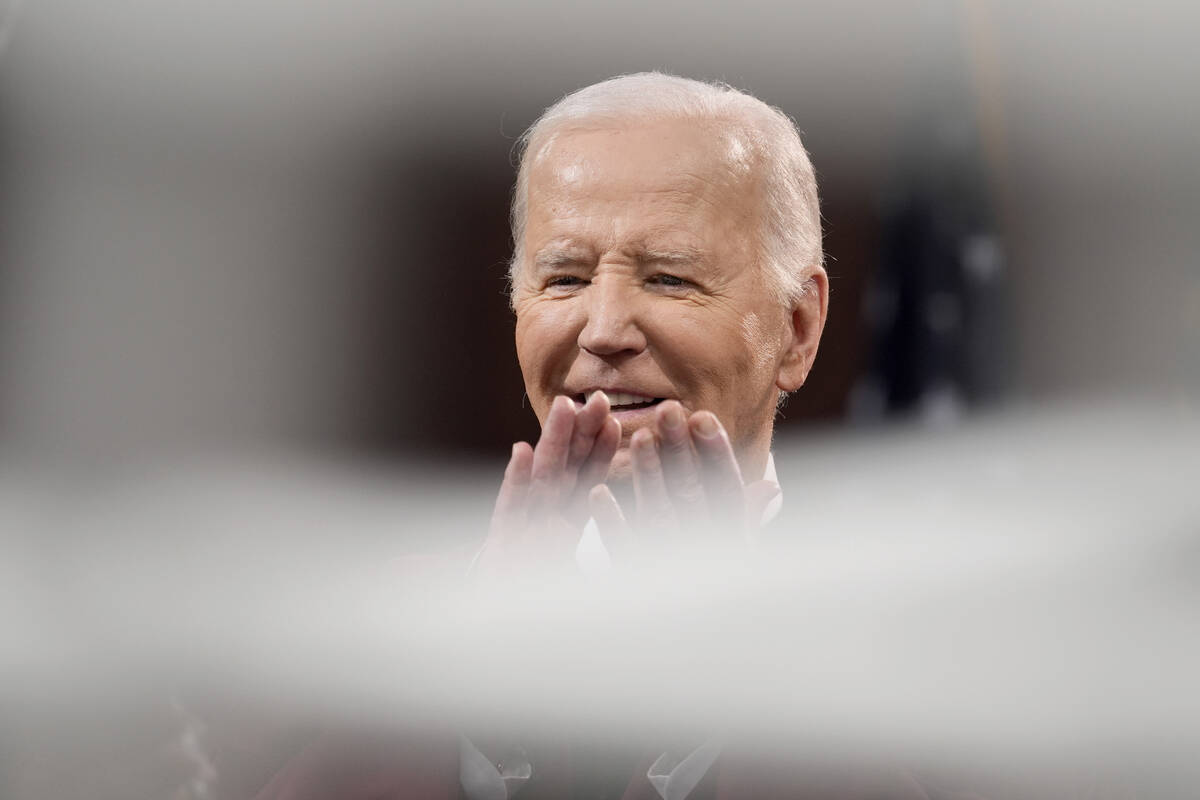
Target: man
[[668, 285]]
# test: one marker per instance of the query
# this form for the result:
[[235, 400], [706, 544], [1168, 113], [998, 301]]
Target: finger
[[719, 471], [595, 468], [550, 455], [654, 510], [589, 422], [614, 530], [680, 468], [511, 509]]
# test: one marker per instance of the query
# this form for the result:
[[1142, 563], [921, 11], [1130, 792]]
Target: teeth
[[621, 398]]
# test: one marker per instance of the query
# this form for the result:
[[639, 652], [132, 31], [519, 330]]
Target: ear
[[807, 320]]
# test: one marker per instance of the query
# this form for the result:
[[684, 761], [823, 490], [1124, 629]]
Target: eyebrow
[[674, 256], [556, 258], [552, 258]]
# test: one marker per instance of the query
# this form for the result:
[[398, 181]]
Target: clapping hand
[[687, 486], [687, 489], [543, 501]]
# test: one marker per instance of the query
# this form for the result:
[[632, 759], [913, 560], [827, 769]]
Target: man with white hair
[[669, 290], [668, 285]]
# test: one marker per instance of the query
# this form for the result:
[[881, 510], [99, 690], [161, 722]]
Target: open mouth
[[622, 401]]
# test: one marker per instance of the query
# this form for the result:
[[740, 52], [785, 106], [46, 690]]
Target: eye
[[667, 280], [565, 281]]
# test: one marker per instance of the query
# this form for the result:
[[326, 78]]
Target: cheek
[[724, 360], [761, 353], [545, 346], [532, 368], [704, 350], [530, 355]]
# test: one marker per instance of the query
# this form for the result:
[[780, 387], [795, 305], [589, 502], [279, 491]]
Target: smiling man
[[668, 285], [669, 290]]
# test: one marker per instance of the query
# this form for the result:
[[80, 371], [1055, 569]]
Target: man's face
[[641, 278]]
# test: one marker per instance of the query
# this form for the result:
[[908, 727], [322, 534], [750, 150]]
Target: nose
[[613, 325]]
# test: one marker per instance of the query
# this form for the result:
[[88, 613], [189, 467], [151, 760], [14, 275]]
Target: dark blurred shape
[[935, 309], [439, 371]]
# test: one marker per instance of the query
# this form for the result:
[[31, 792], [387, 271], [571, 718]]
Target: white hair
[[791, 233]]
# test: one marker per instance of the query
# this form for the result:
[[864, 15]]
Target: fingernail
[[642, 439], [673, 419], [600, 395], [564, 402], [707, 426]]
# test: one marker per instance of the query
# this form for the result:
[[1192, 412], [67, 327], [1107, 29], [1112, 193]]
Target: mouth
[[619, 400]]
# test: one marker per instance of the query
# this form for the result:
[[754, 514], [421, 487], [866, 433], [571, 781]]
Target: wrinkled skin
[[642, 275]]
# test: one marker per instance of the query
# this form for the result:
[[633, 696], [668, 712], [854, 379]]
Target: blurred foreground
[[1015, 595]]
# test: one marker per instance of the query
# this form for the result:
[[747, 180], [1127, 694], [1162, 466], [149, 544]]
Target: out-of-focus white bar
[[1022, 587]]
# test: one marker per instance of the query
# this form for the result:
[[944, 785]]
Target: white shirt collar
[[674, 779]]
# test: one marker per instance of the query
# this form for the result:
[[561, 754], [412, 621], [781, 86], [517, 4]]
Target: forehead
[[683, 167]]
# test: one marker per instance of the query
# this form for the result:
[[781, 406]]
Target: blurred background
[[237, 234], [233, 225]]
